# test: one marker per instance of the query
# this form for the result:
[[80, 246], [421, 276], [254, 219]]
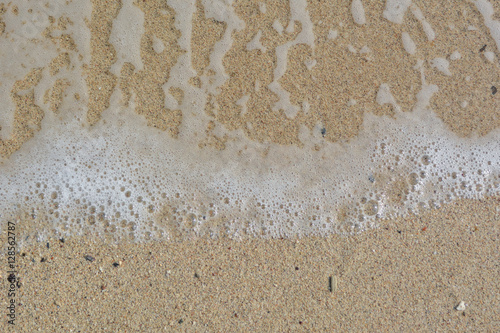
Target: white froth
[[384, 96], [126, 34], [333, 34], [299, 13], [426, 27], [490, 56], [310, 63], [278, 27], [255, 43], [486, 9], [262, 7], [365, 50], [222, 12], [358, 12], [408, 43], [243, 103], [289, 177], [455, 56], [442, 65], [395, 10]]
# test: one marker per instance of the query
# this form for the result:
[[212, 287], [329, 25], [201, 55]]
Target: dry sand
[[410, 274]]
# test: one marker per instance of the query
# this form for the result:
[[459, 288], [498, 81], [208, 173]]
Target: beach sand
[[408, 274]]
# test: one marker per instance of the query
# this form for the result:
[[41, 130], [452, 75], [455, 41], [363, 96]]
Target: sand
[[409, 274]]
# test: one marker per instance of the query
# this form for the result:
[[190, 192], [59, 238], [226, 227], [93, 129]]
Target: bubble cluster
[[108, 180]]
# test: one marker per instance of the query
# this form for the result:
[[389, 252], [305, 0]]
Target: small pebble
[[89, 258], [460, 306]]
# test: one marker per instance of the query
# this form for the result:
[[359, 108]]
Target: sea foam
[[125, 178]]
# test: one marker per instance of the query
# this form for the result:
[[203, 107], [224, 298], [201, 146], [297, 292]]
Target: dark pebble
[[483, 48], [494, 90], [181, 321], [115, 264], [89, 258], [43, 260], [323, 131], [48, 246], [196, 275]]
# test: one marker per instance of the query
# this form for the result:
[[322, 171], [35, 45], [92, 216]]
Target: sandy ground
[[410, 274]]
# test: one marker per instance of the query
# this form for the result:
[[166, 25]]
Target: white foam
[[455, 56], [429, 32], [262, 7], [486, 9], [442, 65], [255, 43], [384, 96], [222, 12], [243, 103], [306, 36], [365, 50], [126, 34], [395, 10], [310, 63], [408, 43], [333, 34], [358, 12], [490, 56], [278, 27]]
